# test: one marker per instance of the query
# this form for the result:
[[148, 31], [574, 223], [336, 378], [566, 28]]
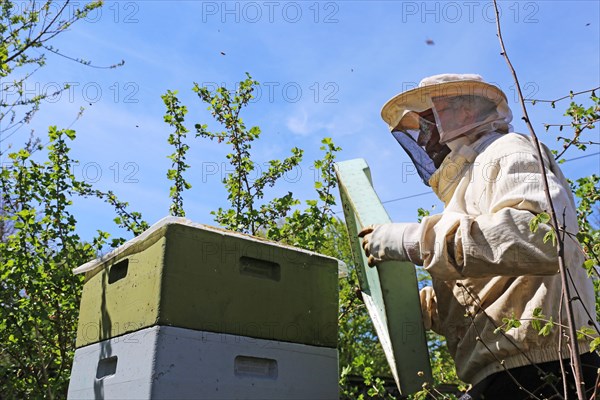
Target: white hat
[[444, 85]]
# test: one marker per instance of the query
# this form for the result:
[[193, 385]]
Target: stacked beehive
[[191, 311]]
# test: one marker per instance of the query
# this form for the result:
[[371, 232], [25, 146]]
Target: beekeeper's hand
[[388, 242]]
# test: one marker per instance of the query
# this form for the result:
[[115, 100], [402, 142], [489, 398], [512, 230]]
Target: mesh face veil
[[420, 140], [469, 115]]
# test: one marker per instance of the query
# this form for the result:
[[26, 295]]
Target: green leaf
[[544, 217], [595, 344], [589, 265], [547, 329], [586, 332], [541, 218], [509, 323], [550, 235], [534, 224], [536, 322]]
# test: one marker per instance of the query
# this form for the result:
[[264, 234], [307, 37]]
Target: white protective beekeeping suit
[[485, 262]]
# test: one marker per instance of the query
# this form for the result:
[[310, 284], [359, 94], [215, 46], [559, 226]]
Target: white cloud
[[302, 124], [298, 123]]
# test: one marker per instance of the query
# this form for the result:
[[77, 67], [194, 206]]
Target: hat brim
[[419, 99]]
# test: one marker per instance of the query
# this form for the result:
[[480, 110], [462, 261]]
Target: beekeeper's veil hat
[[446, 95]]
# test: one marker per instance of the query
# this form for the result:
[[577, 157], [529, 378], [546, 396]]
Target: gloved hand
[[398, 241], [429, 309]]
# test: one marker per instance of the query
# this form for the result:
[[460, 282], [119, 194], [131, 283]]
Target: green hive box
[[203, 278]]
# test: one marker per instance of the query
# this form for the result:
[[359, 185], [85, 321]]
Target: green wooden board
[[390, 290]]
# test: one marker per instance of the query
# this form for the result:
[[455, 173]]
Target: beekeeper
[[485, 262]]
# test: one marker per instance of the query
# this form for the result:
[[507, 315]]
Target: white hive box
[[163, 362]]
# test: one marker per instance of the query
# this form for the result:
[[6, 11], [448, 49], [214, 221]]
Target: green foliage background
[[39, 244]]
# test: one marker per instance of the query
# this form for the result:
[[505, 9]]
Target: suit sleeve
[[499, 241]]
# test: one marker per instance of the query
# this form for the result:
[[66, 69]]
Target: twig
[[575, 140], [348, 307], [590, 318], [561, 362], [571, 125], [596, 388], [41, 355], [591, 250], [578, 142], [547, 321], [560, 245], [439, 394], [501, 362], [491, 320], [570, 95], [80, 61], [38, 39]]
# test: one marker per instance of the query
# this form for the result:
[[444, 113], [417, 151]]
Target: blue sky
[[326, 68]]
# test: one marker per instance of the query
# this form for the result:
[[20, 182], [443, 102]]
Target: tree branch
[[44, 31], [80, 61], [570, 95], [575, 358]]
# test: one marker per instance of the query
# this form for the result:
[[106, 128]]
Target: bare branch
[[501, 362], [83, 62], [575, 358], [569, 96]]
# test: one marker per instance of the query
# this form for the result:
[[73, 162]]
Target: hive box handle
[[106, 367], [118, 271], [260, 268], [255, 367]]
